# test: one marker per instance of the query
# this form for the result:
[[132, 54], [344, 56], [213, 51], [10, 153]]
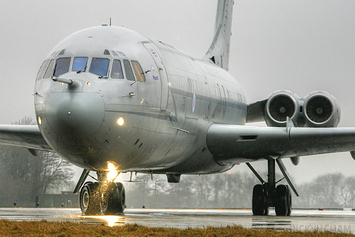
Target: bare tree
[[327, 189], [228, 190], [347, 192], [23, 175], [53, 172]]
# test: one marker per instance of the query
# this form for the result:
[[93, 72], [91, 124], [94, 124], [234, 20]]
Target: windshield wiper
[[82, 70]]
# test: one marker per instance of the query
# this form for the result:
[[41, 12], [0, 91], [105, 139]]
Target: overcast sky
[[299, 45]]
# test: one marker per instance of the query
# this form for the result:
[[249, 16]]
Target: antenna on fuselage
[[110, 21]]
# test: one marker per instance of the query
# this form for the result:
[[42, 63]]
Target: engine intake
[[279, 106], [321, 109]]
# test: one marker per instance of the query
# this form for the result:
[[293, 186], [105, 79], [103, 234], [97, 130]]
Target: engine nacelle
[[279, 106], [318, 109], [321, 109]]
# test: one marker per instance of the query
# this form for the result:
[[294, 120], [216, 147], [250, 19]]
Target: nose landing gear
[[102, 198]]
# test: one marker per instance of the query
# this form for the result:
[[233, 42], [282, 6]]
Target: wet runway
[[335, 221]]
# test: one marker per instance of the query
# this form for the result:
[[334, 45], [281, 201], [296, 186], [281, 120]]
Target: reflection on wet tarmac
[[335, 221], [269, 223], [107, 220]]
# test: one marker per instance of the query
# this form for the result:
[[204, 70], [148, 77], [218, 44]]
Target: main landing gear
[[100, 198], [267, 195]]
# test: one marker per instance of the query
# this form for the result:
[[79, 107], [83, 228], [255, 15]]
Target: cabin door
[[162, 75]]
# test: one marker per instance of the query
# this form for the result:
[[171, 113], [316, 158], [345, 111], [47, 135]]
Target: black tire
[[259, 202], [289, 202], [89, 199], [116, 198], [121, 197], [282, 201]]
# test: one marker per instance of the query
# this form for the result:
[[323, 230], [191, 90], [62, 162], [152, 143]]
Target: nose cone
[[74, 116]]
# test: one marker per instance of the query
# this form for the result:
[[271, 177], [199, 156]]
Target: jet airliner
[[111, 100]]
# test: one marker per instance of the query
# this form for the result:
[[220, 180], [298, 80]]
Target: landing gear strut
[[267, 195], [103, 197]]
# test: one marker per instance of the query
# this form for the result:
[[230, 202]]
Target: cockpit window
[[50, 69], [79, 64], [99, 66], [62, 66], [128, 70], [42, 69], [116, 72], [138, 71]]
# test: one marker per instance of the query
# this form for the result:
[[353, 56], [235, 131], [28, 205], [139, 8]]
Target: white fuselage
[[165, 117]]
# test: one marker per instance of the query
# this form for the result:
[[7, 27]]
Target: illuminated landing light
[[112, 173], [120, 121], [88, 83], [39, 120]]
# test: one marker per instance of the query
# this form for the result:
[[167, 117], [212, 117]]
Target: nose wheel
[[107, 198], [89, 199], [113, 199]]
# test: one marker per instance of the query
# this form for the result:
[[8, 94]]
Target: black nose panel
[[71, 114]]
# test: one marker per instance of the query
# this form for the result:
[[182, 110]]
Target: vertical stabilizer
[[219, 49]]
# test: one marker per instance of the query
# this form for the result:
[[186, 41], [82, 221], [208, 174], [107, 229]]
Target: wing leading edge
[[236, 144], [27, 136]]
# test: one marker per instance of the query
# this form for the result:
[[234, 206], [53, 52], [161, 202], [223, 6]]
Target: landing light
[[112, 174], [39, 120], [120, 121]]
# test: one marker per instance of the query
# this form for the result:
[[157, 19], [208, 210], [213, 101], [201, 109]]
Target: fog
[[300, 45]]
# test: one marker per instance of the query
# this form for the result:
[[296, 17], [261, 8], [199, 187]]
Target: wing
[[236, 144], [27, 136]]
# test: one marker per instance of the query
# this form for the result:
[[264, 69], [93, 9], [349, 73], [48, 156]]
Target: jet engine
[[279, 106], [317, 109], [321, 109]]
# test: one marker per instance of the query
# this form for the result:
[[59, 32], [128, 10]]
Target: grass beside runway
[[44, 228]]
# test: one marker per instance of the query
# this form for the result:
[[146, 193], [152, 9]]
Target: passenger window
[[99, 66], [62, 66], [42, 69], [79, 64], [138, 71], [116, 71], [50, 69], [128, 70]]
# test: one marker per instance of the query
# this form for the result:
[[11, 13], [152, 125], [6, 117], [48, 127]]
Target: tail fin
[[219, 49]]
